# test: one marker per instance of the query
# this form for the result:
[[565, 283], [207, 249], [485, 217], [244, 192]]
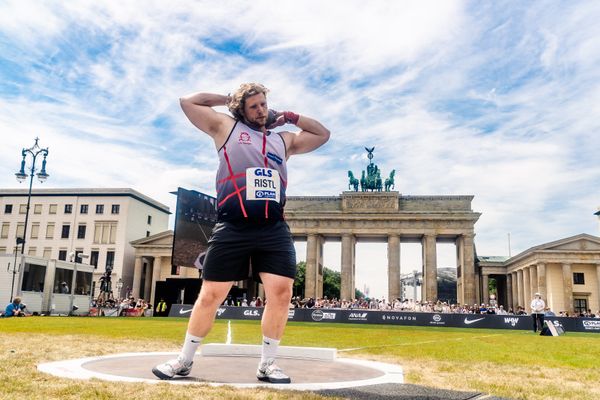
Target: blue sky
[[499, 100]]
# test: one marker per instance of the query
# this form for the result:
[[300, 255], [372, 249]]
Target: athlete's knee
[[208, 298], [280, 293]]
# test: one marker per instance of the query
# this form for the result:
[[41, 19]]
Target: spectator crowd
[[407, 305]]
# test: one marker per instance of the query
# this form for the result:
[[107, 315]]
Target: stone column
[[509, 292], [527, 297], [354, 266], [541, 281], [469, 268], [137, 278], [460, 295], [148, 280], [520, 294], [393, 251], [320, 244], [515, 292], [156, 266], [310, 278], [429, 267], [485, 288], [314, 266], [568, 287], [347, 268], [598, 280], [533, 281]]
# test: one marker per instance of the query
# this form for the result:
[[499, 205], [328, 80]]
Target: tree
[[358, 294], [298, 289], [331, 282], [492, 286]]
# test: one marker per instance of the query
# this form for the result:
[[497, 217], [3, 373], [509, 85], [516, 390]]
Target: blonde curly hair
[[237, 101]]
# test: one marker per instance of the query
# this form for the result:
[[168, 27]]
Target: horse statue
[[389, 182], [363, 182], [378, 185], [353, 182]]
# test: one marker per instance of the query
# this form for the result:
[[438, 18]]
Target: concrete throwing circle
[[237, 371]]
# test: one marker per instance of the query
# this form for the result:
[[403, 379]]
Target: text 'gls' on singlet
[[252, 176]]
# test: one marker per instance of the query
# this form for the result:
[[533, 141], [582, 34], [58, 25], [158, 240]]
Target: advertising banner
[[520, 322]]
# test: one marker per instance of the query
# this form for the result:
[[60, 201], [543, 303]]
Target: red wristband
[[291, 117]]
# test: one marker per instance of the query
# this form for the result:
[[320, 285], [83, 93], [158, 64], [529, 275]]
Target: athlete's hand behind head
[[272, 118], [279, 118]]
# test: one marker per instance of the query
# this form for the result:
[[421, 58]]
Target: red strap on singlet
[[237, 190], [264, 153]]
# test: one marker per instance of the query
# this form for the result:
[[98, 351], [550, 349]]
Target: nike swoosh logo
[[185, 311], [468, 322]]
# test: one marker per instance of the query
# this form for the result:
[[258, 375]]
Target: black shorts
[[238, 251]]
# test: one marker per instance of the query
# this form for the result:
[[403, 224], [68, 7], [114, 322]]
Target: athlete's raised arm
[[198, 107]]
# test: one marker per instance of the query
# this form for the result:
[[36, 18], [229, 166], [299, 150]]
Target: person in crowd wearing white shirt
[[537, 312]]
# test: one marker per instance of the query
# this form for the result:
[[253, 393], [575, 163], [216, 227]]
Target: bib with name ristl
[[262, 184]]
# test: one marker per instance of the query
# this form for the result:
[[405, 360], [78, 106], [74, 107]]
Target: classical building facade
[[98, 223], [153, 264], [565, 272]]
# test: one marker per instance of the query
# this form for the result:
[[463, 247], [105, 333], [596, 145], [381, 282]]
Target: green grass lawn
[[514, 364]]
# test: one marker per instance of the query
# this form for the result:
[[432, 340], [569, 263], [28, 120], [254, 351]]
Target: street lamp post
[[34, 151], [15, 269]]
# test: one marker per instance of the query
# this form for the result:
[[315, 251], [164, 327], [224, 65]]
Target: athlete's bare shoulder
[[198, 108]]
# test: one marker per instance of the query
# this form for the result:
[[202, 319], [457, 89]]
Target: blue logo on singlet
[[266, 194], [263, 172], [274, 157]]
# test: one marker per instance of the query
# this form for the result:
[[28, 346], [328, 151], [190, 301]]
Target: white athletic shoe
[[174, 367], [269, 372]]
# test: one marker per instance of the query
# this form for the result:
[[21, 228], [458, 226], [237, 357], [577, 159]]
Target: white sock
[[269, 349], [190, 345]]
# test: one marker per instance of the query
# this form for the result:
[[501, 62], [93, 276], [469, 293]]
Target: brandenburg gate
[[385, 216]]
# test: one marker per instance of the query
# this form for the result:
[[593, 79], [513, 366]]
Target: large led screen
[[195, 218]]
